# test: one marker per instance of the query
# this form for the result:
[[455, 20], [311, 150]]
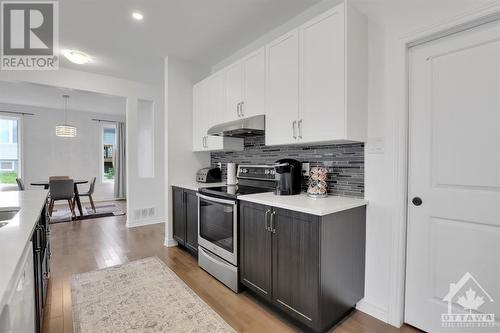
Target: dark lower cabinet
[[191, 220], [41, 263], [185, 215], [310, 267], [295, 263], [255, 247]]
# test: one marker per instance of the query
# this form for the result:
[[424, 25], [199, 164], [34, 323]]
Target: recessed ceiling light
[[137, 16], [77, 57]]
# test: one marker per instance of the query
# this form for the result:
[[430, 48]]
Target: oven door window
[[216, 223]]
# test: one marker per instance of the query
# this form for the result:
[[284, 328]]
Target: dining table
[[46, 185]]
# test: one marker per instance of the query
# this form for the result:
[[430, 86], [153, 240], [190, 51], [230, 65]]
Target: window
[[9, 150], [108, 145]]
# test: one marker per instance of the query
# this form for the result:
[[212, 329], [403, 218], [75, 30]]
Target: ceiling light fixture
[[77, 57], [65, 130], [137, 16]]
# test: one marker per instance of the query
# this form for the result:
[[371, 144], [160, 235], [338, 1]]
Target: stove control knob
[[266, 171]]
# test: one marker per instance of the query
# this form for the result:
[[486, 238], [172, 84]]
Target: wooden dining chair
[[62, 189]]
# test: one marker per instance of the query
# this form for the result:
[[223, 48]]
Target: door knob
[[416, 201]]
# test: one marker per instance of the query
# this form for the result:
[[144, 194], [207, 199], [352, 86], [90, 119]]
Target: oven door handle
[[229, 202]]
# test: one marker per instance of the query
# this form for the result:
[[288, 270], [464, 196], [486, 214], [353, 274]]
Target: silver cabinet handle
[[203, 142], [293, 128], [238, 109], [241, 109], [273, 230], [265, 218], [300, 128]]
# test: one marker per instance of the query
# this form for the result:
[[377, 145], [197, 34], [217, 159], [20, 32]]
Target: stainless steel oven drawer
[[219, 268]]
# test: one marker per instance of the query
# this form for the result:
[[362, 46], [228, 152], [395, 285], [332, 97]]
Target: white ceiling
[[202, 31], [51, 97]]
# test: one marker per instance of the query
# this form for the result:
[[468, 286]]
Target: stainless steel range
[[218, 221]]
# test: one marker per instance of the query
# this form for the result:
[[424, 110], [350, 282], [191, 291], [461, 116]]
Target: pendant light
[[65, 130]]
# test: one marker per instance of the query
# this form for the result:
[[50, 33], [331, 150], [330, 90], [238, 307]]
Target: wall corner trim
[[372, 309], [170, 242]]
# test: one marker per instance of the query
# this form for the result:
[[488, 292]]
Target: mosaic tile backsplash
[[345, 163]]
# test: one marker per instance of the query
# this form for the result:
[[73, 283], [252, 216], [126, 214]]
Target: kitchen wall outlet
[[306, 169]]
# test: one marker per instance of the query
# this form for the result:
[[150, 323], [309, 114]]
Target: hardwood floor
[[87, 245]]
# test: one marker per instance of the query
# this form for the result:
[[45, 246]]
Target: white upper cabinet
[[317, 81], [215, 91], [199, 100], [234, 92], [254, 88], [310, 83], [245, 87], [322, 112], [208, 102], [282, 89]]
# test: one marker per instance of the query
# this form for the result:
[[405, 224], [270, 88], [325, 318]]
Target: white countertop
[[15, 236], [304, 204], [195, 186]]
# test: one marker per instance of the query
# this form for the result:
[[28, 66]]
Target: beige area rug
[[139, 296]]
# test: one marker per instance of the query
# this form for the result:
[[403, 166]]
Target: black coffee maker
[[288, 177]]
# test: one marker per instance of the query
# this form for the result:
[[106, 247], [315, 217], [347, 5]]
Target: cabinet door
[[282, 84], [191, 220], [199, 93], [322, 112], [215, 110], [254, 77], [179, 215], [296, 264], [216, 100], [255, 247], [233, 85]]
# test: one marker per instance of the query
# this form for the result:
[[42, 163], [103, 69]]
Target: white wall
[[181, 163], [389, 20], [141, 193], [44, 154]]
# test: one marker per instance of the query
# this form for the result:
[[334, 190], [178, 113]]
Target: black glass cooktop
[[233, 191]]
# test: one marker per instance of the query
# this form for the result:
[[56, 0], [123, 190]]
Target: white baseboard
[[373, 310], [170, 242], [140, 223]]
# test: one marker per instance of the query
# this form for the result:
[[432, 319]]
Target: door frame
[[473, 18]]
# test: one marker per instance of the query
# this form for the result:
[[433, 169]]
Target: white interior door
[[454, 168]]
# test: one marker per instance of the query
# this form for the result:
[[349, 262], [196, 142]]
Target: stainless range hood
[[240, 128]]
